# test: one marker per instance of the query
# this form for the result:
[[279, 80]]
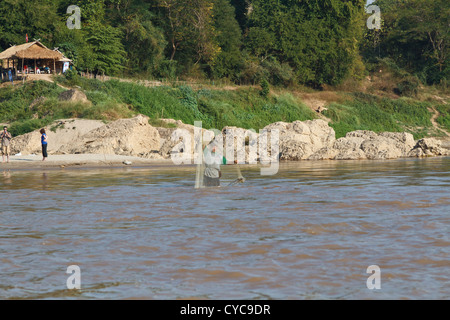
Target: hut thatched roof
[[32, 50], [64, 58]]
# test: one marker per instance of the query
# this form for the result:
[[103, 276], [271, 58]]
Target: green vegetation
[[16, 105], [267, 54], [111, 100], [369, 112], [387, 79], [308, 42], [35, 104], [444, 117], [415, 36], [216, 108]]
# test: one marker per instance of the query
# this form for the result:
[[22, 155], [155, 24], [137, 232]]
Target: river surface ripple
[[308, 232]]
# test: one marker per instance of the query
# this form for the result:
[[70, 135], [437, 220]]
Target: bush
[[168, 69], [251, 71], [409, 86], [265, 89], [71, 74], [279, 74], [15, 102]]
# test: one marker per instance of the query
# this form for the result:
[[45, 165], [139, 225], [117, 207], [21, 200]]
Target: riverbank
[[78, 142], [80, 161], [101, 161], [36, 104], [131, 120]]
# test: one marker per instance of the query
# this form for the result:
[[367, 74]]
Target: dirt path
[[436, 125], [44, 77]]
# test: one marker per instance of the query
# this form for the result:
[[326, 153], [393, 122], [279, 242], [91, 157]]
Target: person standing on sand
[[5, 137], [44, 144]]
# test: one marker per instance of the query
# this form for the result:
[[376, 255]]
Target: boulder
[[301, 139], [27, 144], [73, 95], [170, 144], [364, 144], [428, 147], [60, 133], [295, 150], [348, 148], [388, 145], [128, 137], [297, 140], [242, 143], [380, 148]]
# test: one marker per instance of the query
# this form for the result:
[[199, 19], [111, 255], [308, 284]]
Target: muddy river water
[[308, 232]]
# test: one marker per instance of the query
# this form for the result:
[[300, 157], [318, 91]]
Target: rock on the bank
[[173, 143], [26, 144], [65, 132], [428, 147], [73, 95], [364, 144], [127, 137], [301, 139], [242, 143]]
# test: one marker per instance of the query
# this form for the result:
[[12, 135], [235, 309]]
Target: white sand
[[78, 160]]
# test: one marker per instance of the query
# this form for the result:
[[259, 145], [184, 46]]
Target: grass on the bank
[[243, 107], [18, 109], [370, 112], [444, 118]]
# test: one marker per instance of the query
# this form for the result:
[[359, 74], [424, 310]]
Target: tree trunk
[[174, 50]]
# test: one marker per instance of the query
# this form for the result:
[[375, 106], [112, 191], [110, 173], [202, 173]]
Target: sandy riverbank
[[134, 142], [80, 160]]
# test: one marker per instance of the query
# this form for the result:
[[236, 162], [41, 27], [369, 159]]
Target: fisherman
[[213, 159]]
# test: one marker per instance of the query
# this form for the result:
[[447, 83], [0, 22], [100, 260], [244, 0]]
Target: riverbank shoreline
[[85, 161], [100, 161]]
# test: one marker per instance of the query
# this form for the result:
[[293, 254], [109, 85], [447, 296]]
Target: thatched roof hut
[[32, 56], [33, 51]]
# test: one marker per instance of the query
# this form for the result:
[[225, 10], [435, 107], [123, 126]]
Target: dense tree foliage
[[284, 42], [415, 36], [308, 35]]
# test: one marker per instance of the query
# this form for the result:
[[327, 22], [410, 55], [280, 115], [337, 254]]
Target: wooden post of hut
[[23, 70]]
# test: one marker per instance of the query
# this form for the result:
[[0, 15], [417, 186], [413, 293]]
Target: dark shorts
[[44, 151], [211, 182]]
